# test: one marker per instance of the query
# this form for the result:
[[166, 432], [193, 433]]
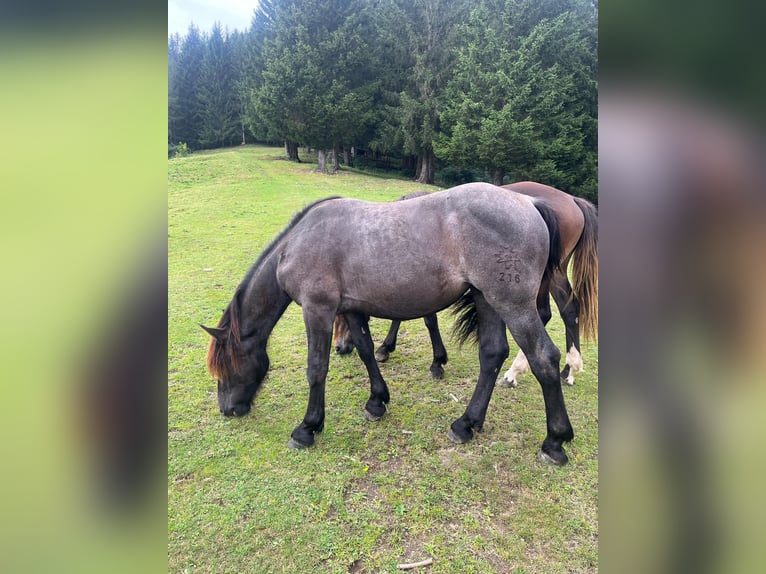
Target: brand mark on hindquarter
[[510, 264]]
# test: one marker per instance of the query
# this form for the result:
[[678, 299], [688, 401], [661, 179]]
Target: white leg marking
[[574, 360], [518, 367]]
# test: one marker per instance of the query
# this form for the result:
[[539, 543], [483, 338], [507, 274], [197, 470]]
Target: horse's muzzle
[[236, 411], [343, 349]]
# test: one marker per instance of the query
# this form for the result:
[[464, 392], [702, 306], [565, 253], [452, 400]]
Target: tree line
[[502, 90]]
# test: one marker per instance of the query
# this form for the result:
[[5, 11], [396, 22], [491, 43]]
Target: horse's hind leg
[[543, 356], [493, 350], [379, 397], [389, 343], [569, 309], [440, 353], [520, 364]]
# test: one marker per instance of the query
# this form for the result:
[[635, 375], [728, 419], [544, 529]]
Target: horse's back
[[406, 259]]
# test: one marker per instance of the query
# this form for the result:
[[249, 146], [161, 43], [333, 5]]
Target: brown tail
[[585, 270]]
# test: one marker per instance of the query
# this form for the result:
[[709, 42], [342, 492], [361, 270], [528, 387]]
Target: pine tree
[[522, 100], [317, 87], [216, 93], [501, 87], [185, 84], [430, 40], [174, 113]]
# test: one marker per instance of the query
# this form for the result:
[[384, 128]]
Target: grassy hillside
[[367, 496]]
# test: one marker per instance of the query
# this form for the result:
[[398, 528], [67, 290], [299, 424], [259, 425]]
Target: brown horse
[[577, 301]]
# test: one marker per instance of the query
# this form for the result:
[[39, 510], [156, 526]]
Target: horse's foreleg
[[544, 358], [569, 309], [379, 397], [493, 350], [440, 353], [389, 343], [319, 332]]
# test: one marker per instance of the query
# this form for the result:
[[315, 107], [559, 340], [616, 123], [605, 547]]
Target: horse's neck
[[263, 301]]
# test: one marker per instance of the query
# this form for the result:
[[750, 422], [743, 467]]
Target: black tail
[[554, 235], [464, 309], [466, 321]]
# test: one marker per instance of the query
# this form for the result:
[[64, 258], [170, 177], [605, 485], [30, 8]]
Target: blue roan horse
[[400, 261]]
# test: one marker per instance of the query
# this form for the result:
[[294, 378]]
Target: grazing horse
[[577, 302], [399, 261]]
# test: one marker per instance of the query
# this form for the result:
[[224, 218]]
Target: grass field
[[367, 496]]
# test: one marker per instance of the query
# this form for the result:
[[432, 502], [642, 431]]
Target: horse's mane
[[223, 352]]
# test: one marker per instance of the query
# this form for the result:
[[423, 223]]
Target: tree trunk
[[321, 161], [409, 163], [499, 175], [334, 153], [426, 172], [347, 156], [291, 150]]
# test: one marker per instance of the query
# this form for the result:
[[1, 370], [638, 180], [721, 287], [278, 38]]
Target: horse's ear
[[219, 334]]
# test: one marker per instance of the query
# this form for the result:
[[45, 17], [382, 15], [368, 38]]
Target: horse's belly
[[402, 301]]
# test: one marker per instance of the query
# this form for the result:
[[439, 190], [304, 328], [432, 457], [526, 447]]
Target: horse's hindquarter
[[570, 217]]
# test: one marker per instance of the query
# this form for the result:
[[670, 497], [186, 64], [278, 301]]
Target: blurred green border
[[83, 170]]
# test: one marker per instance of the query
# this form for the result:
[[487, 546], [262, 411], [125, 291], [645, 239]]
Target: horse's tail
[[466, 320], [585, 270], [554, 235]]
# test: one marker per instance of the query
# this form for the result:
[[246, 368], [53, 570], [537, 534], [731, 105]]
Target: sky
[[230, 13]]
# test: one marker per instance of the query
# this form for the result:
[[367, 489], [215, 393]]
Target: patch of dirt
[[391, 465], [183, 477], [457, 457]]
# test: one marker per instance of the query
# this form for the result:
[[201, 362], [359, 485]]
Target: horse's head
[[240, 365], [341, 339]]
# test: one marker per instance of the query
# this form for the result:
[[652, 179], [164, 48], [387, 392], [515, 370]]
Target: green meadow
[[367, 496]]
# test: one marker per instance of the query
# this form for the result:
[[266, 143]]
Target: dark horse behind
[[400, 261]]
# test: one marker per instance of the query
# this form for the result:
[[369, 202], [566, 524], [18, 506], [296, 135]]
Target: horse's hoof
[[381, 357], [510, 383], [546, 458], [436, 372], [371, 417], [454, 438], [294, 444]]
